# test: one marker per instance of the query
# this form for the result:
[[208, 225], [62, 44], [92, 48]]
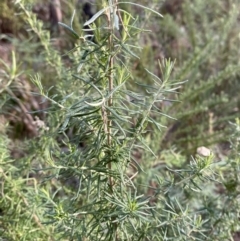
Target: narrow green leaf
[[71, 23], [118, 116], [70, 30], [144, 7], [95, 16]]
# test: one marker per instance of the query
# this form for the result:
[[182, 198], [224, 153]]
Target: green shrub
[[102, 166]]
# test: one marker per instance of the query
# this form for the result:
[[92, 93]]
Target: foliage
[[204, 43], [110, 158]]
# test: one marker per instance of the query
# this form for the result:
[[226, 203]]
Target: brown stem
[[110, 88], [110, 104]]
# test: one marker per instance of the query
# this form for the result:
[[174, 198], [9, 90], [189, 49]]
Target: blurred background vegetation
[[202, 37]]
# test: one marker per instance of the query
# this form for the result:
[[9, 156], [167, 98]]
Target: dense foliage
[[103, 123]]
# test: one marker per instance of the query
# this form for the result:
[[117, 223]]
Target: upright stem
[[110, 104], [110, 88], [109, 122]]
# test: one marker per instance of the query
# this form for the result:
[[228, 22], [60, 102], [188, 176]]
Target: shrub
[[96, 169]]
